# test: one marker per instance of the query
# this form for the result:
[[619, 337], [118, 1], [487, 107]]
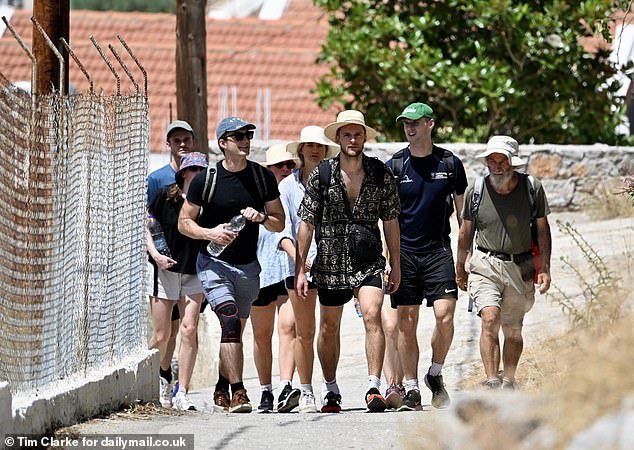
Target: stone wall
[[571, 174]]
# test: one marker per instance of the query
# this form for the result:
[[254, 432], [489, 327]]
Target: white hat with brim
[[504, 145], [348, 117], [315, 134], [277, 153]]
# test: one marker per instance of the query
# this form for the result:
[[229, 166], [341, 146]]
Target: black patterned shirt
[[377, 199]]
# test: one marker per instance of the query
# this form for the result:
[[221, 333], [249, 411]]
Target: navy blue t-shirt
[[423, 189]]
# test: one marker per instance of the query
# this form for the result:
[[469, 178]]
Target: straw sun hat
[[349, 117], [313, 133]]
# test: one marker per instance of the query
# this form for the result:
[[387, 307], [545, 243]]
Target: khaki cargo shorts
[[494, 282]]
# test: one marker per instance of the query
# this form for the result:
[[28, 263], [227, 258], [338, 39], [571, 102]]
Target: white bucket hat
[[313, 133], [348, 117], [277, 153], [505, 145]]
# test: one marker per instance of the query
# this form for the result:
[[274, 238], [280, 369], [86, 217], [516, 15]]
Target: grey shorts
[[174, 285], [223, 282], [494, 282]]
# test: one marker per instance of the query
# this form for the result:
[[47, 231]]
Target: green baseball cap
[[415, 111]]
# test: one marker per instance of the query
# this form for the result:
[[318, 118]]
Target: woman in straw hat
[[311, 148], [272, 297]]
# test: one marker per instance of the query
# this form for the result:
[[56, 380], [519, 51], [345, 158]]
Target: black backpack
[[210, 180]]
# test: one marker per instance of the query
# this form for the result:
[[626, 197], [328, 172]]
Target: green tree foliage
[[485, 66], [168, 6]]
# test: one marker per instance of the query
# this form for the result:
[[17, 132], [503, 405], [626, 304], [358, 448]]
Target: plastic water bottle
[[236, 224], [357, 307], [158, 237]]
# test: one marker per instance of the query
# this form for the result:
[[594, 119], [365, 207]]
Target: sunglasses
[[289, 164], [241, 135], [195, 168]]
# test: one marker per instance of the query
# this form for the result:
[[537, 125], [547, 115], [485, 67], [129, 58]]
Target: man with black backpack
[[430, 181], [508, 210], [344, 200], [231, 188]]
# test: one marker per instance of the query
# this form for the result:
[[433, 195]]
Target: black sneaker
[[266, 403], [331, 403], [439, 395], [288, 399], [375, 401], [411, 401]]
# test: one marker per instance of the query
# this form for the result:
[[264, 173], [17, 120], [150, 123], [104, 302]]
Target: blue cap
[[229, 124]]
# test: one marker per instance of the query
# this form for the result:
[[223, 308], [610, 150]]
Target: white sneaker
[[307, 403], [165, 393], [183, 402]]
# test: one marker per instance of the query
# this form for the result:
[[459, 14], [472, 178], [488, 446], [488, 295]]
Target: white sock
[[410, 384], [374, 382], [435, 369], [306, 388], [266, 387], [331, 386], [284, 383]]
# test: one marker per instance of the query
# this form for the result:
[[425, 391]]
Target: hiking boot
[[165, 392], [182, 402], [240, 402], [266, 402], [288, 399], [492, 383], [439, 395], [393, 397], [331, 403], [411, 401], [509, 384], [307, 403], [375, 401], [222, 399]]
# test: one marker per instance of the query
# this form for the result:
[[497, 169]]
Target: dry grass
[[607, 203]]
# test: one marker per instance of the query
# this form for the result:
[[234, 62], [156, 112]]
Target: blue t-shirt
[[423, 189], [158, 179]]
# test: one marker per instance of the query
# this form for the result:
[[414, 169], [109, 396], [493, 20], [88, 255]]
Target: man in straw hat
[[231, 280], [346, 206], [432, 182], [501, 268]]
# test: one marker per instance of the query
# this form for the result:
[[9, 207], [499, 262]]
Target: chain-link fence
[[72, 250]]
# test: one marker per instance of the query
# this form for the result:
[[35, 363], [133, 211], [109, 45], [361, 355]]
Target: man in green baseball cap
[[431, 183]]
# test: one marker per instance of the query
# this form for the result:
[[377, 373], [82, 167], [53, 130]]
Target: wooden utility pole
[[54, 16], [191, 68]]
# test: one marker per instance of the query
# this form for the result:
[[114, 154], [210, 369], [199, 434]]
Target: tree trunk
[[191, 68], [54, 16]]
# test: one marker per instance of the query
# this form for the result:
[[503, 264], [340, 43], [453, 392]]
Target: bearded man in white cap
[[345, 198], [502, 271]]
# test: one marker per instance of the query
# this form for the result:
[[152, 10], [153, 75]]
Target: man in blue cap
[[431, 181], [230, 280]]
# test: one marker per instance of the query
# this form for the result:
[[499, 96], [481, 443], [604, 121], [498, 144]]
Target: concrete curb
[[75, 399]]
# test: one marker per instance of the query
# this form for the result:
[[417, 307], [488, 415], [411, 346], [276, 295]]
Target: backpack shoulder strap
[[260, 180], [532, 195], [325, 172], [210, 182], [397, 164], [476, 198]]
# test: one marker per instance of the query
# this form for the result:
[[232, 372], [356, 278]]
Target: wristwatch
[[266, 217]]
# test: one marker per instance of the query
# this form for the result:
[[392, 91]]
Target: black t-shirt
[[184, 249], [234, 191]]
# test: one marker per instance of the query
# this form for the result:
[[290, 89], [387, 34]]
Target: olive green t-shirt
[[503, 220]]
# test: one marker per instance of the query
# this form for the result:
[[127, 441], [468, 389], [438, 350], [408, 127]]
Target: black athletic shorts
[[425, 277], [338, 297], [270, 293]]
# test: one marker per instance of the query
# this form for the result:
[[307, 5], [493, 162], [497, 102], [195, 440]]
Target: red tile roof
[[248, 53]]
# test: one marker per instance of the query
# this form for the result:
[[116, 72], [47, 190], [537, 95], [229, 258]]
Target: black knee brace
[[230, 323]]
